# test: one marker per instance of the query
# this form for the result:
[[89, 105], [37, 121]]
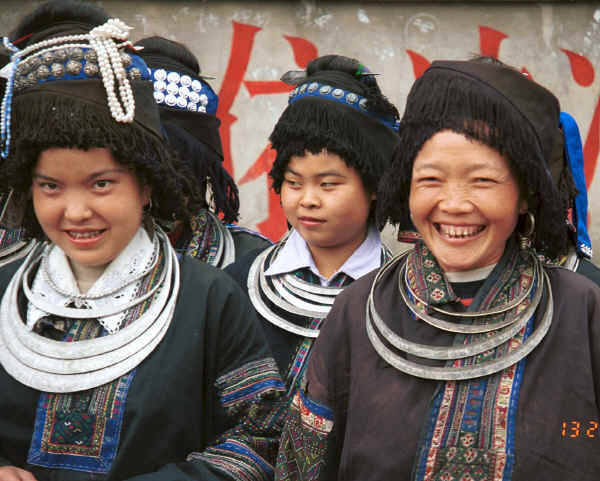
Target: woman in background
[[188, 106]]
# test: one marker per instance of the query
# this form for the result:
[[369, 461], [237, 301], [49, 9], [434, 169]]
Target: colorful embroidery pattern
[[295, 373], [81, 430], [304, 440], [9, 236], [247, 383], [469, 434], [205, 239], [237, 454]]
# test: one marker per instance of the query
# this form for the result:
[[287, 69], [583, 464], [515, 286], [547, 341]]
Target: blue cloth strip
[[574, 153]]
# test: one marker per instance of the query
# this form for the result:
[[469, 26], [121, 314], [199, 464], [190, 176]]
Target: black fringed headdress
[[75, 81], [499, 107], [336, 105], [188, 106]]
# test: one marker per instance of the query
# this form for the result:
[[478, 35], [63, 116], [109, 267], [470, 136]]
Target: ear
[[146, 195], [373, 196], [523, 206]]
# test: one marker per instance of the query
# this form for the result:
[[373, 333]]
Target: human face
[[87, 203], [464, 201], [326, 201]]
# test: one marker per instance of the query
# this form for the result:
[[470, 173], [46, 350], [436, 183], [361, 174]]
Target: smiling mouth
[[458, 231], [310, 219], [85, 235]]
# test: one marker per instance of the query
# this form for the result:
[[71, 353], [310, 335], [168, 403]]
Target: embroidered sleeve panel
[[304, 441], [252, 398], [244, 385]]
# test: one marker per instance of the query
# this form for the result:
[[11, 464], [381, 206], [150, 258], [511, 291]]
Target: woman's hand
[[12, 473]]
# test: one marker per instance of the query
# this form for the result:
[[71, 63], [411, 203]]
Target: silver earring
[[526, 230]]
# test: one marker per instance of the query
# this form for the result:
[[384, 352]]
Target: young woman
[[468, 357], [188, 107], [333, 142], [118, 361]]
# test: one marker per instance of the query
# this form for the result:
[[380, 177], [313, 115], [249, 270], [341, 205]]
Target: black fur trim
[[316, 124], [442, 100]]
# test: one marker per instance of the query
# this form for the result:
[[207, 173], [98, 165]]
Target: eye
[[427, 179], [48, 187], [292, 183], [102, 184], [485, 180]]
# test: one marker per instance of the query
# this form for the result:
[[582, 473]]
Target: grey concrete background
[[383, 35]]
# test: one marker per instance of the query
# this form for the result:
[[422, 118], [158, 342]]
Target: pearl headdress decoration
[[111, 66]]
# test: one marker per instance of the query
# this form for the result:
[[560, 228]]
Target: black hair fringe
[[439, 102], [208, 171], [312, 127], [47, 121]]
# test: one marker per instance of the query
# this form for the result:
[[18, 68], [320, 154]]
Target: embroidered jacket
[[203, 406], [292, 351], [361, 419], [206, 240]]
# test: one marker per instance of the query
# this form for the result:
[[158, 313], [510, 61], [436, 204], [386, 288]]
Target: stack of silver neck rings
[[55, 366], [225, 253], [514, 321], [289, 293], [15, 251]]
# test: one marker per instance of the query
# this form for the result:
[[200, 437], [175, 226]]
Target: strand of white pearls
[[66, 46], [110, 64], [111, 67]]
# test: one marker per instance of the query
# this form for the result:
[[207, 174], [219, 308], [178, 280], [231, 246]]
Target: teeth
[[459, 231], [84, 235]]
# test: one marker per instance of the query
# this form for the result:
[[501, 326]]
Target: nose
[[77, 209], [456, 199], [310, 198]]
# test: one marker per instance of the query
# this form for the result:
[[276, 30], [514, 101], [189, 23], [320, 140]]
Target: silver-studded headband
[[346, 97], [181, 91]]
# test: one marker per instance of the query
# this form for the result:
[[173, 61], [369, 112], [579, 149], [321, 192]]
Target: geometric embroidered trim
[[236, 460], [314, 416], [248, 383], [75, 431]]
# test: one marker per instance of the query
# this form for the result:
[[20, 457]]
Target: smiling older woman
[[467, 358]]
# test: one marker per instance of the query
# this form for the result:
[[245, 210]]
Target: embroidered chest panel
[[80, 430]]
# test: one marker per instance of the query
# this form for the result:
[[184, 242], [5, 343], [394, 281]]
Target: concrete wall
[[247, 46]]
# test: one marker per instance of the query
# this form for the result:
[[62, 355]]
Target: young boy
[[333, 142]]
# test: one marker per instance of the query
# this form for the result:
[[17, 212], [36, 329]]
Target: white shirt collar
[[132, 261], [295, 255]]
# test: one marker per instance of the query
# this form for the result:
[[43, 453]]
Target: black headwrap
[[337, 105], [57, 99], [192, 132], [502, 108]]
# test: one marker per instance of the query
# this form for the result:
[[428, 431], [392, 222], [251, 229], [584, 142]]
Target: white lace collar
[[118, 284]]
